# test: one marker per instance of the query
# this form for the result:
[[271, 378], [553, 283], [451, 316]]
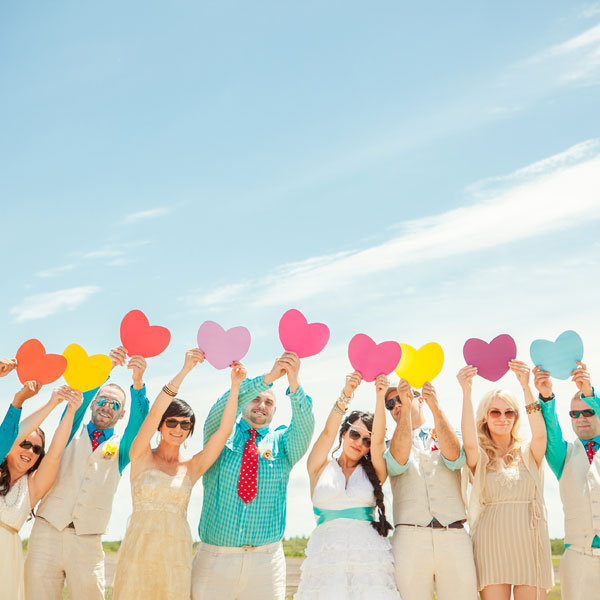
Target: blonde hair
[[483, 433]]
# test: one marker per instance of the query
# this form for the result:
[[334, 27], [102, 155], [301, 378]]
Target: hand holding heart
[[118, 357], [192, 358], [581, 378], [290, 363], [429, 395], [465, 377], [7, 365], [382, 384], [29, 390], [138, 365], [521, 370], [238, 373], [352, 382], [542, 382]]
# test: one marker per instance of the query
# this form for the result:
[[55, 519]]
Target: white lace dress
[[14, 508], [346, 559]]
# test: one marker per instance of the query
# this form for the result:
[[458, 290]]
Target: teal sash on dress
[[361, 513]]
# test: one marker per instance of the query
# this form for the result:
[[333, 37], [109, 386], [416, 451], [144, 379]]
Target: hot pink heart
[[299, 336], [371, 359], [490, 359], [221, 347]]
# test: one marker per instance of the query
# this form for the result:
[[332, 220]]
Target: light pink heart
[[371, 359], [299, 336], [490, 359], [221, 347]]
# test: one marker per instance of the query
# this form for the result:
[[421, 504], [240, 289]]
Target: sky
[[417, 173]]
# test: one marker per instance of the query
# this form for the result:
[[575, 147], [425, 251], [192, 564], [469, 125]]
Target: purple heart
[[490, 359], [221, 347], [371, 359]]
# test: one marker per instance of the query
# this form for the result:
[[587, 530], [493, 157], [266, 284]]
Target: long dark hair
[[5, 475], [381, 525], [179, 408]]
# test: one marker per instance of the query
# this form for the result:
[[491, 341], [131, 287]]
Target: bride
[[155, 558], [348, 554]]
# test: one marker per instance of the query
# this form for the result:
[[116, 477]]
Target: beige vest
[[580, 493], [428, 489], [84, 488]]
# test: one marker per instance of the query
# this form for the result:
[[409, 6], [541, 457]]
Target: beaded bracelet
[[167, 390], [337, 409], [533, 407]]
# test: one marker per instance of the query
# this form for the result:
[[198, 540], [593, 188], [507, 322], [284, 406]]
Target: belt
[[361, 513], [435, 524], [8, 527], [579, 550], [239, 549]]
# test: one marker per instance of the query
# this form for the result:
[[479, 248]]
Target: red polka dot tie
[[247, 483], [95, 435], [590, 451]]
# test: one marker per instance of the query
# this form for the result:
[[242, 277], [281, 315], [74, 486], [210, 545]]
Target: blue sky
[[418, 173]]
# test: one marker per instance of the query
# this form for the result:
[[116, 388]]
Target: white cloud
[[104, 253], [151, 213], [589, 11], [54, 271], [40, 306], [533, 201]]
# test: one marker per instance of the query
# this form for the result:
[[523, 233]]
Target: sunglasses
[[172, 423], [102, 401], [496, 414], [391, 402], [35, 448], [354, 434], [586, 412]]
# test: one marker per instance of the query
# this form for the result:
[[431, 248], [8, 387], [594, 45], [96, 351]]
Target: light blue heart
[[558, 358]]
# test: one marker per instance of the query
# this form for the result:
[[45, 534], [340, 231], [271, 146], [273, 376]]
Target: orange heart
[[33, 364]]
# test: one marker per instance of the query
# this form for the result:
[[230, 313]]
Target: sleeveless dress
[[510, 538], [346, 559], [155, 557], [14, 508]]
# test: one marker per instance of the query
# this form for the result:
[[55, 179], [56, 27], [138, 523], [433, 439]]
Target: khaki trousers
[[224, 573], [579, 575], [428, 559], [53, 556]]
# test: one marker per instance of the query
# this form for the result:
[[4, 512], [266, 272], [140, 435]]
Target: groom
[[66, 540], [241, 556]]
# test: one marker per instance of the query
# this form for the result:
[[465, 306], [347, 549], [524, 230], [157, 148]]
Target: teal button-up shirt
[[9, 430], [556, 449], [226, 519], [139, 410]]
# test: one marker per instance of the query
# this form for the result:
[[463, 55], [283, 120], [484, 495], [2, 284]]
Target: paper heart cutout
[[559, 358], [371, 359], [142, 339], [299, 336], [419, 366], [222, 347], [33, 364], [490, 359], [85, 372]]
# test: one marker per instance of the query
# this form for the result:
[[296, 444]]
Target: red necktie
[[591, 450], [95, 435], [247, 483]]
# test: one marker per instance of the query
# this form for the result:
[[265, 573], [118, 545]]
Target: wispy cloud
[[527, 203], [589, 11], [104, 253], [47, 273], [152, 213], [40, 306]]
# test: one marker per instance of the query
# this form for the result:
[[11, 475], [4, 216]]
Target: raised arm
[[447, 438], [378, 431], [581, 378], [203, 460], [319, 455], [42, 479], [297, 436], [140, 447], [534, 411], [9, 430], [401, 442], [467, 424], [7, 365], [139, 409]]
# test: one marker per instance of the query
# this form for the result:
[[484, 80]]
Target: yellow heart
[[85, 372], [419, 366]]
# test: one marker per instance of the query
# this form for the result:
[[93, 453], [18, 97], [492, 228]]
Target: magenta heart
[[221, 347], [371, 359], [490, 359], [299, 336]]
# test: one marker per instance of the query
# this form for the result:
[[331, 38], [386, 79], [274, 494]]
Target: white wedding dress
[[346, 559]]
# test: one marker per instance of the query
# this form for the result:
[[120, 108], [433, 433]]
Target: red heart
[[33, 364], [142, 339]]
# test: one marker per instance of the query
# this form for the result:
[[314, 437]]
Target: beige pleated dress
[[510, 533]]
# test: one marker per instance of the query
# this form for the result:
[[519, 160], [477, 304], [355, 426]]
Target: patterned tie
[[95, 435], [591, 450], [247, 483]]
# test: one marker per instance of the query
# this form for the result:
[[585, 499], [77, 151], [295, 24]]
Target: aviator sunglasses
[[391, 402], [35, 448], [354, 434], [102, 401], [586, 412], [172, 423], [496, 414]]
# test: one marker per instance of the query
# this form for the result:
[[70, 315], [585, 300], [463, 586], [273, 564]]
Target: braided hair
[[4, 473], [381, 525]]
